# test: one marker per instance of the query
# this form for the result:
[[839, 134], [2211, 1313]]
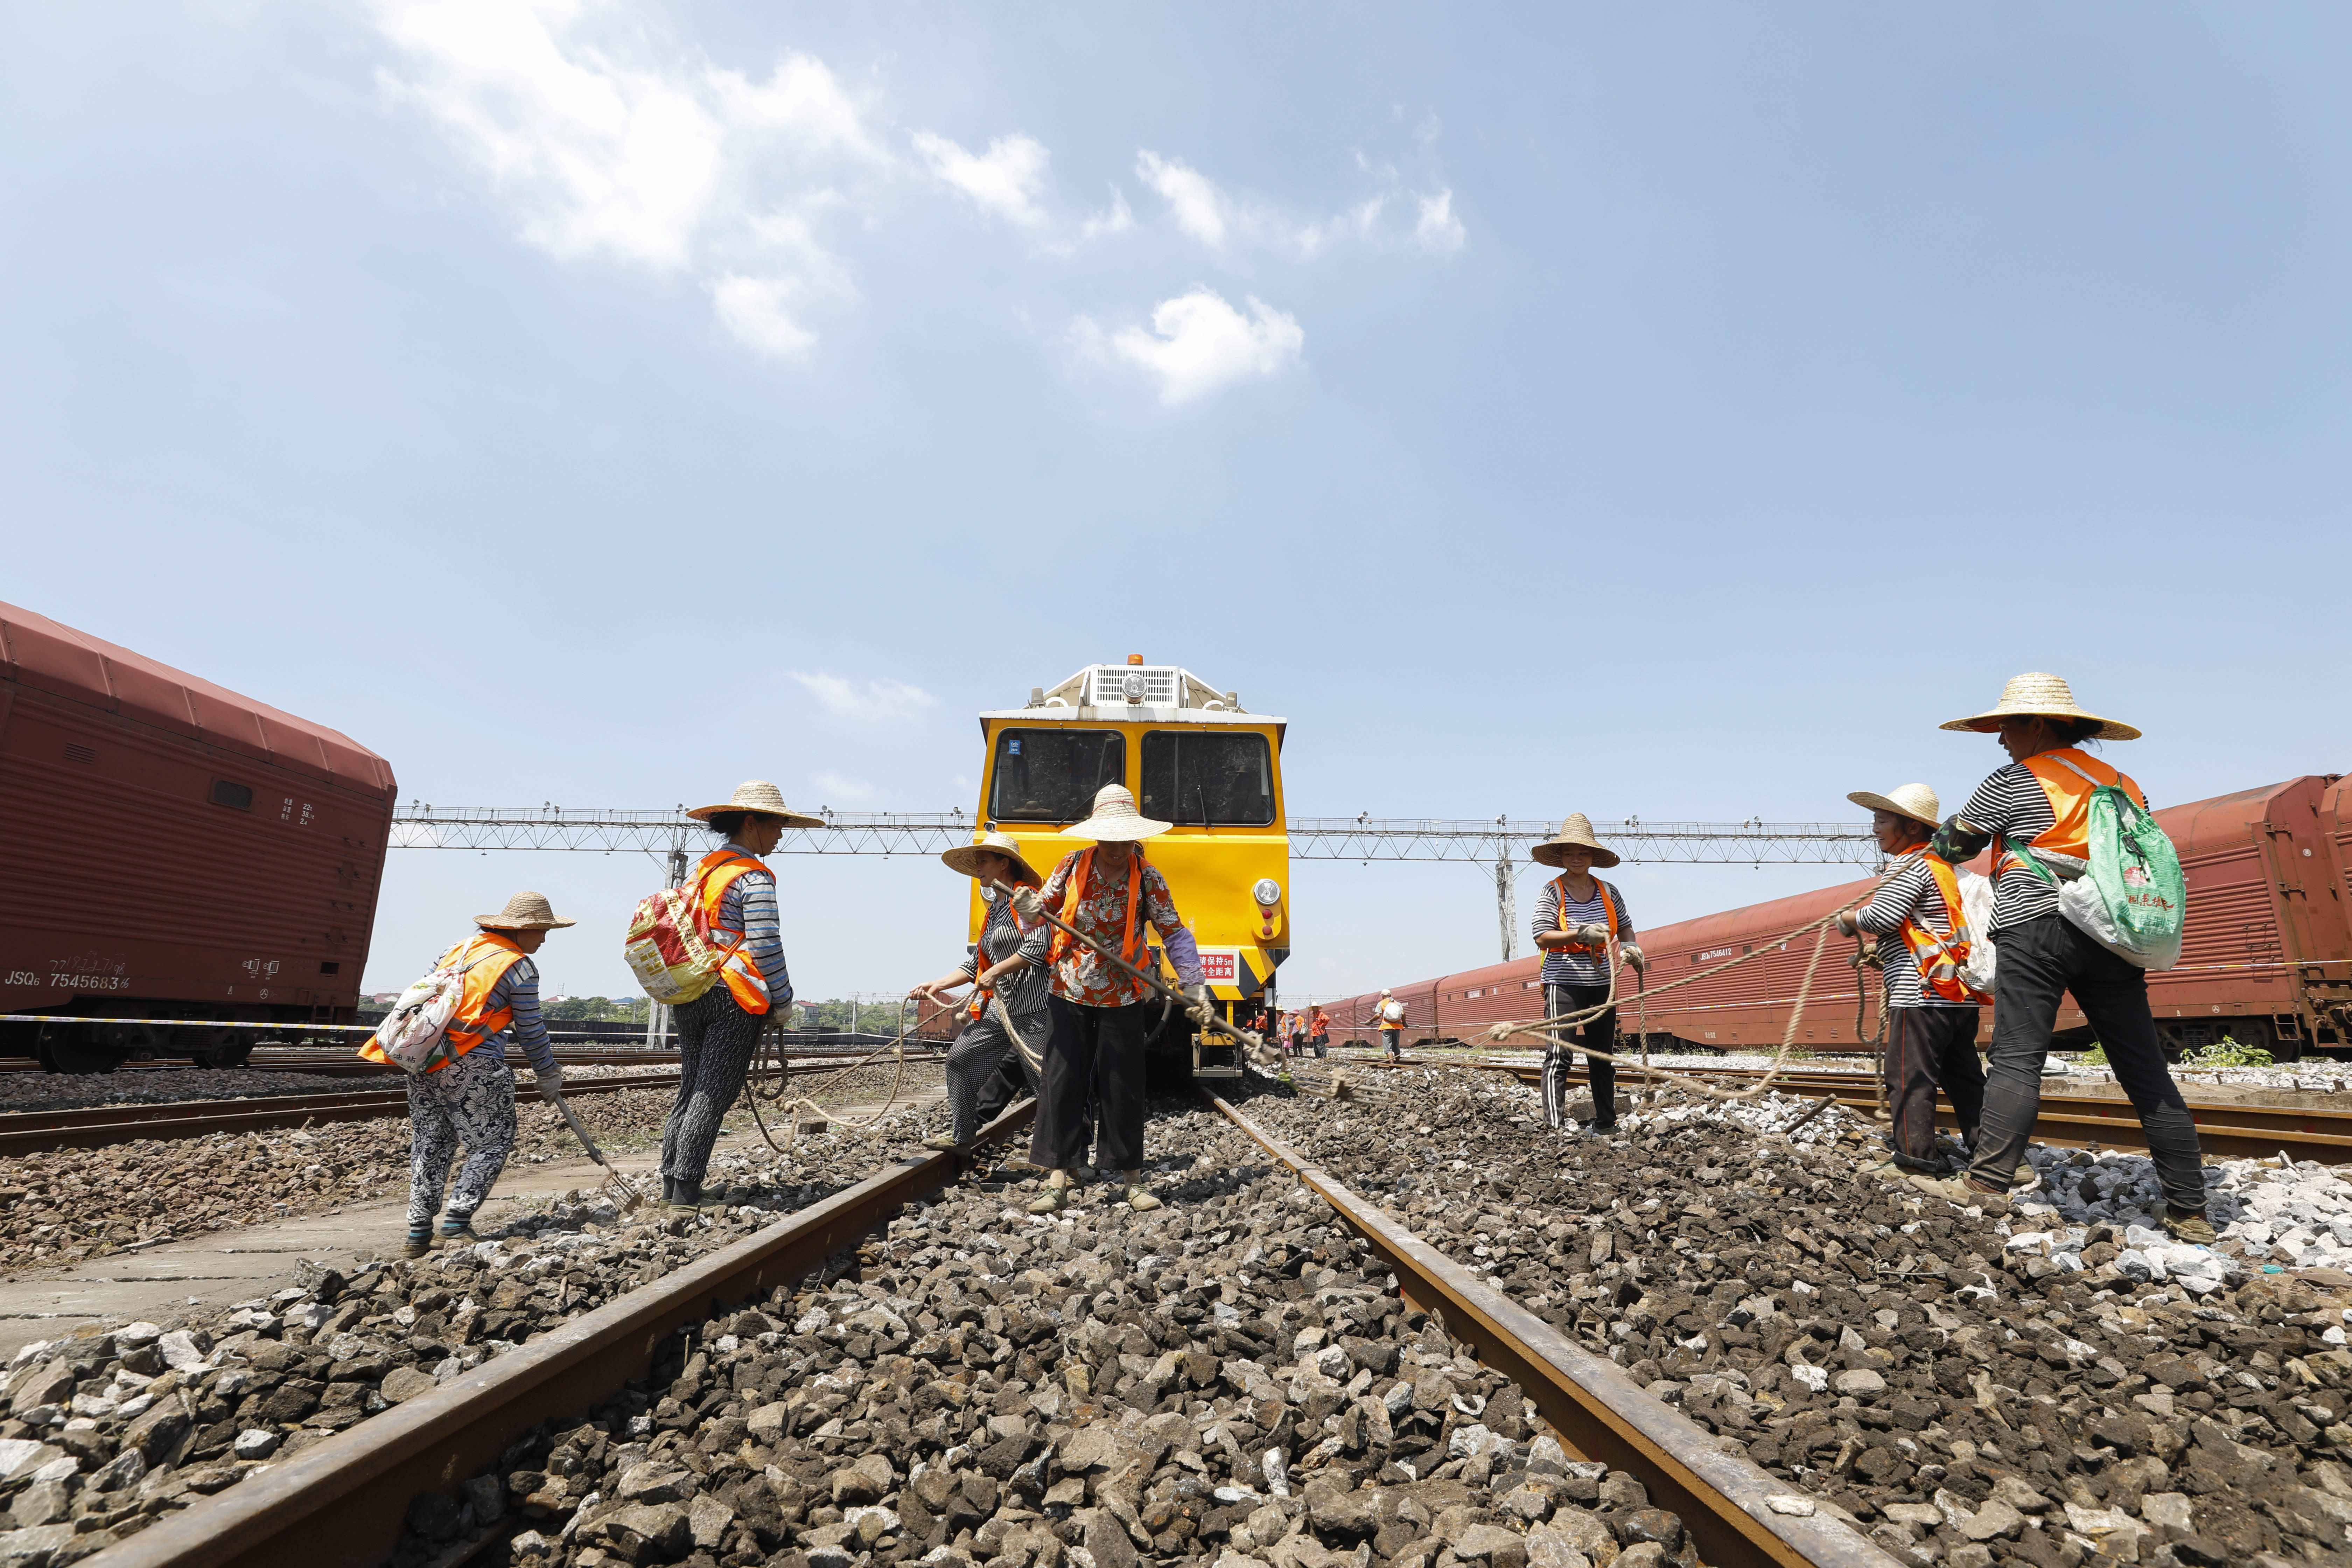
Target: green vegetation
[[2226, 1052], [593, 1009]]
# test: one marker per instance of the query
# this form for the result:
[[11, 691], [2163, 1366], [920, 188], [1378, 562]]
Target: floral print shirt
[[1083, 975]]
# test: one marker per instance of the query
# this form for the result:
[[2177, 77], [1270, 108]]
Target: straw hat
[[1915, 801], [760, 796], [1116, 820], [524, 911], [964, 857], [2040, 693], [1576, 831]]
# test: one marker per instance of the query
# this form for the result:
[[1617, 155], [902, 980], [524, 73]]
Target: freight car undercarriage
[[82, 1040]]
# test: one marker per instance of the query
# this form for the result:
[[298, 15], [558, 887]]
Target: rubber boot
[[669, 1188]]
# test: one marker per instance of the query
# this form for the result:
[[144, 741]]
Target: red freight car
[[2266, 958], [173, 851]]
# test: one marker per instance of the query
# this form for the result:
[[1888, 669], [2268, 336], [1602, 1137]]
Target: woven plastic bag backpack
[[413, 1035], [668, 946], [2129, 897]]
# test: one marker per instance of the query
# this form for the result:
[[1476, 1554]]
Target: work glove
[[550, 1083], [1634, 956], [1026, 903], [1957, 842], [1200, 1011]]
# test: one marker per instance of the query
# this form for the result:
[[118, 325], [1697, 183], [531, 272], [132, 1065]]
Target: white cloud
[[834, 786], [753, 310], [1003, 181], [1199, 343], [1202, 209], [876, 702], [801, 98], [1439, 229], [670, 165], [1117, 218]]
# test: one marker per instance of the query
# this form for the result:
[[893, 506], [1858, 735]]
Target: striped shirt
[[1562, 968], [1024, 991], [519, 988], [1908, 893], [2011, 800], [748, 905]]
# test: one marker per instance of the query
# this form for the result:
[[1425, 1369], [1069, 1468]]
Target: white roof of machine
[[1169, 694]]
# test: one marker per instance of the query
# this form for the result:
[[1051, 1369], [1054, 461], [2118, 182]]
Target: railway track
[[346, 1501], [93, 1127], [337, 1062], [2068, 1120]]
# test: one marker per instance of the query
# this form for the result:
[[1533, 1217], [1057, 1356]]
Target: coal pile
[[1228, 1379], [114, 1427], [1966, 1392], [71, 1204]]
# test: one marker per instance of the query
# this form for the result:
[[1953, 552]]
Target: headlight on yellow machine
[[1268, 893]]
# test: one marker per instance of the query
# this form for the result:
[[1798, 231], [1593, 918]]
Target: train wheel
[[76, 1055], [229, 1054]]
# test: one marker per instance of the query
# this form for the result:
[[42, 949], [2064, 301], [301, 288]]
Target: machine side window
[[1051, 776], [1213, 778]]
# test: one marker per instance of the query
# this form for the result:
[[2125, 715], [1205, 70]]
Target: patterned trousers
[[470, 1101], [981, 1048], [715, 1041]]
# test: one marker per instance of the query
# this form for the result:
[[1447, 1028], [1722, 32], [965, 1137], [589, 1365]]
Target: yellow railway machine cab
[[1193, 757]]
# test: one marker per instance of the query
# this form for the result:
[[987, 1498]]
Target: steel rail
[[2068, 1120], [340, 1503], [1599, 1411], [98, 1126]]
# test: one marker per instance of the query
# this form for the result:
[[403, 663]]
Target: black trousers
[[1930, 1050], [1095, 1054], [998, 1094], [715, 1041], [980, 1061], [2041, 960], [1599, 1034]]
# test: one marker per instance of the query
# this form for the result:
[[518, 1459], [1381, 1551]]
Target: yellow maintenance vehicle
[[1195, 757]]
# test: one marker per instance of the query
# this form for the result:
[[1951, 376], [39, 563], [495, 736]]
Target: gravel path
[[1231, 1378], [1956, 1385], [71, 1204]]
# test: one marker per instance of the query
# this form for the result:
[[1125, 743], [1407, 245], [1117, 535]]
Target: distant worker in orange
[[1387, 1016], [465, 1095], [1932, 1013], [1576, 916], [1318, 1031], [2038, 810]]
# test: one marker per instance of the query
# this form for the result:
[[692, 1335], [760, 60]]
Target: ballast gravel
[[114, 1426], [1228, 1380], [70, 1204], [1967, 1389]]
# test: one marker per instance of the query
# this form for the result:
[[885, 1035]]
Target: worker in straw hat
[[1576, 916], [1389, 1018], [719, 1030], [1007, 967], [466, 1095], [1100, 1017], [1931, 1010], [2038, 806]]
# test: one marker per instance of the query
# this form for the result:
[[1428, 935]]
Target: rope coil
[[771, 1050]]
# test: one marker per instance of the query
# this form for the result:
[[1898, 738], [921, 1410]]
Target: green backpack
[[2130, 896]]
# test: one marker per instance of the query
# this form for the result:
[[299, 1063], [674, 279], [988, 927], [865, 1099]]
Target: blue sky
[[1626, 409]]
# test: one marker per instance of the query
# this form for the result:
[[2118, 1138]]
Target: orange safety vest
[[981, 993], [1132, 950], [2070, 801], [1940, 959], [718, 871], [1559, 915], [487, 956]]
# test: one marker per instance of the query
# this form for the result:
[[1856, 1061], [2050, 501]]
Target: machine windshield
[[1210, 777], [1051, 776]]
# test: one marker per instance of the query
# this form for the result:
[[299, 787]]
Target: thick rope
[[772, 1043], [1500, 1033]]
